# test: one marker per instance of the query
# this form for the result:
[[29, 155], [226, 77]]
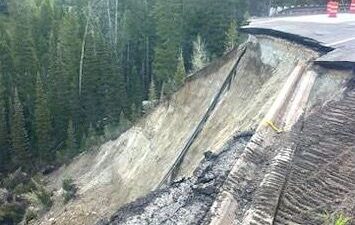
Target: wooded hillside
[[72, 69]]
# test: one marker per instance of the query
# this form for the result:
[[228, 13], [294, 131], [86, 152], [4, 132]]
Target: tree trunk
[[109, 21], [116, 23], [83, 44]]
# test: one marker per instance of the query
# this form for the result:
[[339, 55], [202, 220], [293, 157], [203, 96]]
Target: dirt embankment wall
[[134, 164]]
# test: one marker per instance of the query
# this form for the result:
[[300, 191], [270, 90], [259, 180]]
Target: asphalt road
[[335, 37]]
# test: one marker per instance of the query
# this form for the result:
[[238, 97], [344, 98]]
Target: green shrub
[[337, 219], [15, 179], [11, 213], [43, 196], [70, 189]]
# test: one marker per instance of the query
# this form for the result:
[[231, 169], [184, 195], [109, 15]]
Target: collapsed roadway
[[299, 164], [334, 37]]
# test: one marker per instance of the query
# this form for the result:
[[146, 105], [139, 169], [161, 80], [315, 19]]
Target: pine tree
[[122, 99], [152, 91], [43, 28], [210, 19], [168, 17], [135, 112], [42, 123], [63, 75], [124, 122], [70, 143], [92, 80], [4, 138], [135, 88], [231, 36], [25, 58], [199, 57], [109, 85], [6, 60], [19, 137], [6, 66], [58, 95], [162, 92], [180, 73], [246, 18]]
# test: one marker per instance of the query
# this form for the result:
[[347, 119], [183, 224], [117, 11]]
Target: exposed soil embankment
[[186, 201], [293, 169], [261, 73], [273, 80]]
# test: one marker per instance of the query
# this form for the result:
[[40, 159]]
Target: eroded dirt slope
[[297, 165], [133, 165]]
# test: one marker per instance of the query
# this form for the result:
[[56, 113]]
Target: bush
[[43, 196], [15, 179], [70, 189], [11, 213], [337, 219]]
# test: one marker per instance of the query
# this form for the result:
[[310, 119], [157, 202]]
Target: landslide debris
[[188, 200]]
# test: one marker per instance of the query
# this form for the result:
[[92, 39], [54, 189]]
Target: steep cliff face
[[273, 85]]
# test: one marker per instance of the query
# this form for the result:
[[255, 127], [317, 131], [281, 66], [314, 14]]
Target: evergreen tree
[[122, 98], [43, 28], [180, 73], [63, 75], [135, 88], [162, 92], [109, 86], [199, 57], [246, 18], [70, 143], [19, 137], [135, 112], [25, 58], [43, 124], [4, 138], [6, 60], [232, 36], [124, 122], [6, 66], [91, 97], [152, 91], [168, 17]]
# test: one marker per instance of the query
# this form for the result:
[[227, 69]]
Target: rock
[[207, 189], [48, 169], [208, 154]]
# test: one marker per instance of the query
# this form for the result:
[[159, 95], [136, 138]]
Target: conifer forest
[[71, 70]]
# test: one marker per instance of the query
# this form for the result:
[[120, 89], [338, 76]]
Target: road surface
[[335, 37]]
